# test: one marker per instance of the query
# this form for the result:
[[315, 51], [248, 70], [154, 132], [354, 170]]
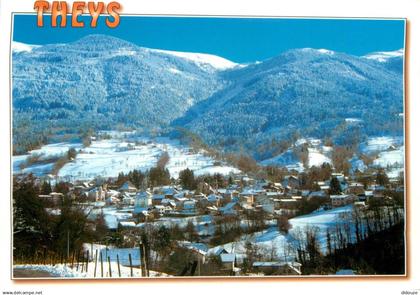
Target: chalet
[[341, 200], [214, 199], [189, 205], [96, 194], [128, 200], [169, 203], [53, 198], [199, 249], [228, 261], [355, 188], [161, 209], [128, 187], [143, 201], [230, 208], [291, 182], [112, 200], [157, 199]]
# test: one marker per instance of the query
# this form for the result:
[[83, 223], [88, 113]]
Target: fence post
[[102, 265], [131, 264], [109, 266], [96, 260], [77, 260], [141, 258], [87, 261], [72, 260], [118, 264]]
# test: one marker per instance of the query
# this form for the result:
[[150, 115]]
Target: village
[[215, 228]]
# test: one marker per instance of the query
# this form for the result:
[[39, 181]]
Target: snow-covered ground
[[379, 144], [65, 271], [389, 153], [284, 246], [318, 154], [109, 157]]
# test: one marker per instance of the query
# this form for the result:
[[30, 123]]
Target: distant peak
[[201, 59], [22, 47], [383, 56]]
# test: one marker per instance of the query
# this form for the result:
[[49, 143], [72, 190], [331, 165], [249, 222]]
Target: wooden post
[[118, 264], [146, 260], [77, 260], [96, 259], [82, 260], [72, 261], [102, 265], [141, 260], [131, 264], [87, 261], [109, 266]]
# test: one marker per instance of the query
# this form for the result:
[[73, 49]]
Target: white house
[[142, 202]]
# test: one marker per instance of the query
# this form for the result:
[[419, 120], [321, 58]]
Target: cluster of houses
[[246, 194]]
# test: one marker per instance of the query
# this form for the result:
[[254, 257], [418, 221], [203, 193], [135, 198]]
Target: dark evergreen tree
[[335, 187], [187, 180]]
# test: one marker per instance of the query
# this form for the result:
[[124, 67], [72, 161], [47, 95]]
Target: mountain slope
[[306, 90], [101, 81]]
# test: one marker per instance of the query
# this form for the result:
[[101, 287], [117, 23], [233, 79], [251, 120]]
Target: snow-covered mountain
[[101, 82], [22, 47], [310, 91], [201, 59], [384, 56]]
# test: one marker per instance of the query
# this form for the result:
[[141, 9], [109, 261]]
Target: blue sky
[[237, 39]]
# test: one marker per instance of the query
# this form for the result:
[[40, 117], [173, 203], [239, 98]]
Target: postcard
[[166, 146]]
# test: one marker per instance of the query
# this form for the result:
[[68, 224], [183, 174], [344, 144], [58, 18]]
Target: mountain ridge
[[101, 81]]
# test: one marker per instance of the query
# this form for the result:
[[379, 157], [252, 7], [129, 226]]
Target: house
[[53, 198], [341, 200], [230, 208], [127, 187], [143, 201], [228, 261], [291, 181], [214, 199], [96, 194], [112, 200], [355, 188], [128, 200], [189, 205], [161, 209], [157, 199]]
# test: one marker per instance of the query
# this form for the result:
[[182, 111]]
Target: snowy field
[[109, 157], [379, 144], [389, 151], [318, 154], [284, 246]]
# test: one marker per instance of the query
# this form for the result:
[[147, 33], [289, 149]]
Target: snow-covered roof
[[127, 223], [228, 257], [339, 196]]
